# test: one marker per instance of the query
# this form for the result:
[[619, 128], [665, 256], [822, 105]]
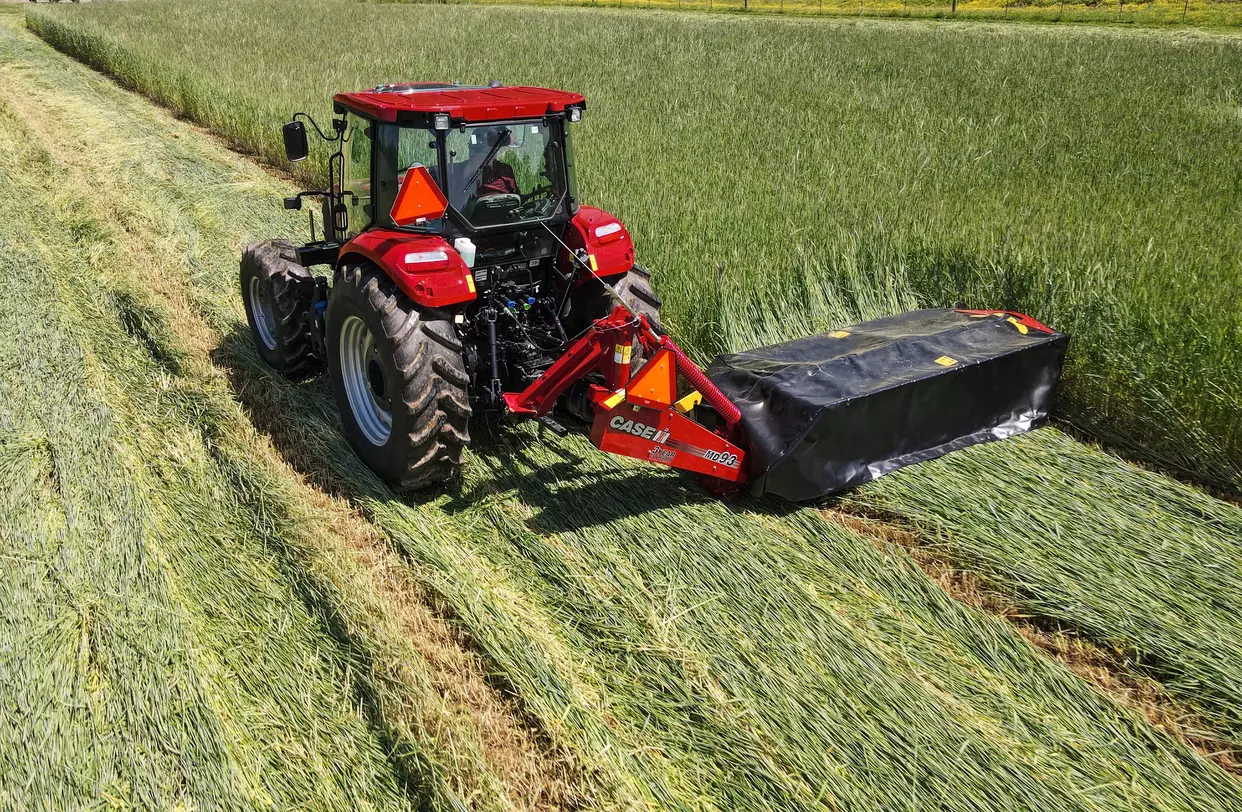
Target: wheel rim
[[366, 385], [261, 309]]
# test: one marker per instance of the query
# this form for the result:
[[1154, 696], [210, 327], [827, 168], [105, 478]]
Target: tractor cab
[[499, 155]]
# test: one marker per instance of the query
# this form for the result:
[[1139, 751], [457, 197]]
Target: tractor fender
[[425, 267], [605, 239]]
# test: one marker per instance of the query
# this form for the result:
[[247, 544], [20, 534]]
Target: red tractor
[[465, 277]]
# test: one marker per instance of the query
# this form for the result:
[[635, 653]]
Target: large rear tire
[[639, 295], [277, 292], [399, 379]]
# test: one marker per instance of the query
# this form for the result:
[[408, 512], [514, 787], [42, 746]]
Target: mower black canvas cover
[[836, 410]]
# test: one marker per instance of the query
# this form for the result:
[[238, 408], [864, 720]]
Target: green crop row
[[693, 653], [1203, 13]]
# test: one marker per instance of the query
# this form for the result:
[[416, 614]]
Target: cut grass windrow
[[154, 654], [691, 653], [184, 623], [1134, 561]]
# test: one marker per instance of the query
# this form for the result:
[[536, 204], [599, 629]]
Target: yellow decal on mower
[[612, 401]]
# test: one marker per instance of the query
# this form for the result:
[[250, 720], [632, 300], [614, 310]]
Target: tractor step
[[839, 409]]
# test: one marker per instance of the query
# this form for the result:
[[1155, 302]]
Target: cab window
[[396, 150], [356, 180], [504, 173]]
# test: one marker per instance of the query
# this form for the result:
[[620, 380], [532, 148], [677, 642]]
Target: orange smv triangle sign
[[419, 199], [655, 385]]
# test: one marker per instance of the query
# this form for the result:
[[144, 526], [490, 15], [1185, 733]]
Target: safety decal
[[946, 361]]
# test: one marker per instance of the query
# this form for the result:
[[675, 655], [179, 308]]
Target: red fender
[[604, 237], [424, 266]]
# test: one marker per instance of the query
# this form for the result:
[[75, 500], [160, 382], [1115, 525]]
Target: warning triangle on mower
[[655, 385]]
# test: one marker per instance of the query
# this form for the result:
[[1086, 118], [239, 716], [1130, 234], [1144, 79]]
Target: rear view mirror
[[296, 148]]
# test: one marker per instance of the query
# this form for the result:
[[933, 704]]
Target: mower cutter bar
[[816, 415]]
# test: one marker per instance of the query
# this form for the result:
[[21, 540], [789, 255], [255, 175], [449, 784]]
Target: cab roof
[[416, 102]]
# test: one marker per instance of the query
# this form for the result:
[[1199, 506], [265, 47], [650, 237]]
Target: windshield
[[500, 174]]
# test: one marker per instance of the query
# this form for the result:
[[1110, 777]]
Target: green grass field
[[1086, 176], [690, 653]]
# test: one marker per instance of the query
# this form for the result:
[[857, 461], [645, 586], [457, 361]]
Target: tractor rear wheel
[[277, 292], [399, 379], [638, 294]]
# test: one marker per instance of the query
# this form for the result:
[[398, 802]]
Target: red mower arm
[[642, 416]]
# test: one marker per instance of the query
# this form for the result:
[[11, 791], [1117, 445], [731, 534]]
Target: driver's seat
[[491, 210]]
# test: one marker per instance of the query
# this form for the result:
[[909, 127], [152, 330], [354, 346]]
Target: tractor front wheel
[[399, 379], [277, 292]]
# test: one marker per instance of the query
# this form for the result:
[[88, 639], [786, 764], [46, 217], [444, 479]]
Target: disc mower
[[464, 276]]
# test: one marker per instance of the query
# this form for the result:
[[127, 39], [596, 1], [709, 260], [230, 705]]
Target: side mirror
[[296, 148]]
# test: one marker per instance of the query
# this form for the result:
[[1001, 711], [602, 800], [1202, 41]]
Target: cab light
[[442, 121], [575, 114]]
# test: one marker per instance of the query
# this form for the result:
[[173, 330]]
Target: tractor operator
[[497, 177]]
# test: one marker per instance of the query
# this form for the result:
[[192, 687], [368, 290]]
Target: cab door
[[356, 174]]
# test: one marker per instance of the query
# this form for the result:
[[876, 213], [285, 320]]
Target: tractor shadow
[[566, 483], [562, 480]]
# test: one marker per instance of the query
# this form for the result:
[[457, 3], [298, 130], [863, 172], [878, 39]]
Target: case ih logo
[[666, 455], [638, 429]]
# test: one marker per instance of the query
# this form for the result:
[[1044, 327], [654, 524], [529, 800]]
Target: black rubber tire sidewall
[[270, 355], [388, 460], [272, 263]]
